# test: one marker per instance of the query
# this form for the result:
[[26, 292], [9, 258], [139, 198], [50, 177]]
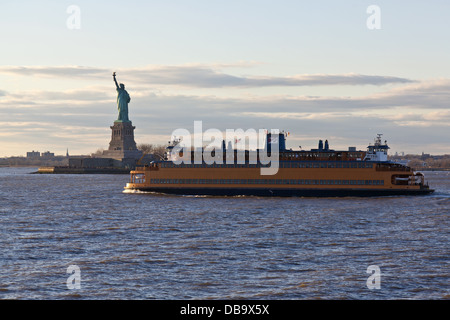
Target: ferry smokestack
[[274, 138], [320, 145]]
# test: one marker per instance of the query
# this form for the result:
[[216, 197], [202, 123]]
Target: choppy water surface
[[147, 246]]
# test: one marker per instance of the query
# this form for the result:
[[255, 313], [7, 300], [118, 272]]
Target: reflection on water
[[152, 246]]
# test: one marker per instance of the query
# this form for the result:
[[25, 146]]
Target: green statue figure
[[123, 98]]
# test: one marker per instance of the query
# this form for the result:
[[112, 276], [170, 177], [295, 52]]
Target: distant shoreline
[[76, 170], [104, 169], [17, 166]]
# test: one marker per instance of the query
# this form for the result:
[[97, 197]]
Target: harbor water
[[153, 246]]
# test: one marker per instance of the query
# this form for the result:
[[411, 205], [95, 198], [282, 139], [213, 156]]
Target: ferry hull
[[279, 192]]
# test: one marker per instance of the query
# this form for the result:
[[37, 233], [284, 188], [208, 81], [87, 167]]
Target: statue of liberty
[[123, 98]]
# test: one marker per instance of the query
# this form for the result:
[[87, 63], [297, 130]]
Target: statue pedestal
[[122, 145]]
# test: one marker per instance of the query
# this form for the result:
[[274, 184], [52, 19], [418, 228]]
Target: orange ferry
[[319, 172]]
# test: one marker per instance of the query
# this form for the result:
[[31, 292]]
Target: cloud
[[201, 76], [55, 71]]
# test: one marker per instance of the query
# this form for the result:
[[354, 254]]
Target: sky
[[326, 69]]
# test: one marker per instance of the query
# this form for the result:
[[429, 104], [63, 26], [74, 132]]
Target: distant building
[[425, 156], [47, 155], [33, 154]]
